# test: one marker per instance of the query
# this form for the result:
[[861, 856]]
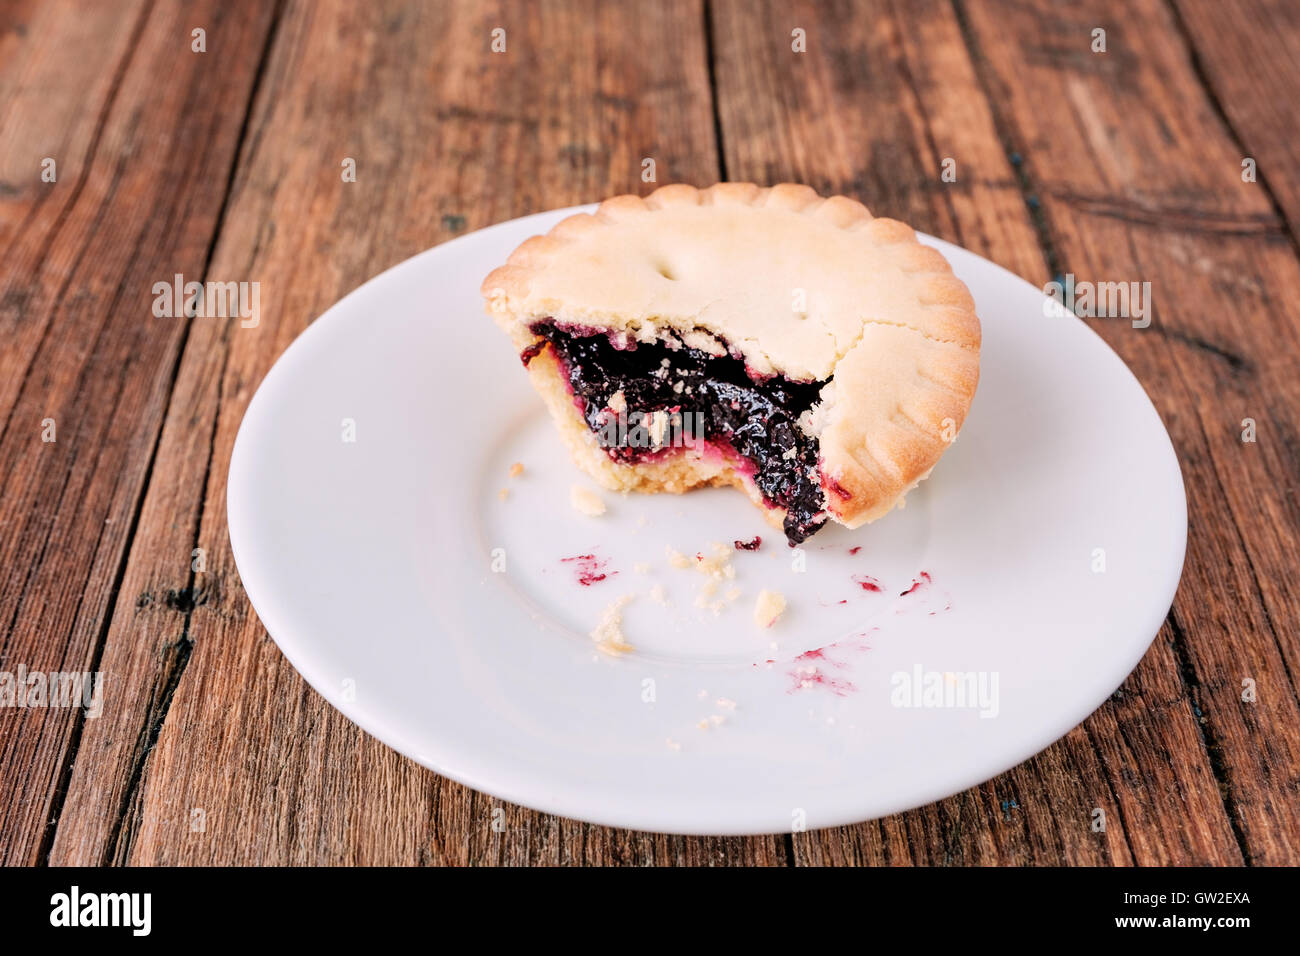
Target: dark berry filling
[[678, 397]]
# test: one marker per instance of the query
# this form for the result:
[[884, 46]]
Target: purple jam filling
[[707, 397]]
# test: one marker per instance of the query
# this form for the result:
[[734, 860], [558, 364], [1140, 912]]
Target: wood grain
[[1115, 166], [132, 203], [1246, 55]]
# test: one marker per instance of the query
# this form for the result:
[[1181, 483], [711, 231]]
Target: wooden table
[[1123, 165]]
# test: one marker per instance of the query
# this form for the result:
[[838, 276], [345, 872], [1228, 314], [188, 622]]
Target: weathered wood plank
[[132, 197], [883, 96], [49, 112], [1246, 52], [566, 115]]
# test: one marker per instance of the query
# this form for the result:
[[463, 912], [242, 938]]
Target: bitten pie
[[793, 346]]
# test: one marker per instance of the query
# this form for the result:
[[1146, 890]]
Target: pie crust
[[808, 288]]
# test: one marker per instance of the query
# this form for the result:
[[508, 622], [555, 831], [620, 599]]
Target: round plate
[[446, 606]]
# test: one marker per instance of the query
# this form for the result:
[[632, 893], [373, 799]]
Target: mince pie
[[815, 357]]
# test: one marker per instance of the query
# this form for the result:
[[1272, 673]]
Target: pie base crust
[[885, 324]]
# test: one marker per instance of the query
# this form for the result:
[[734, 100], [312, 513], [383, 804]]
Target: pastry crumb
[[708, 589], [716, 567], [503, 494], [516, 469], [586, 501], [658, 595], [713, 720], [608, 634], [726, 703], [672, 744], [717, 564], [769, 606], [641, 568]]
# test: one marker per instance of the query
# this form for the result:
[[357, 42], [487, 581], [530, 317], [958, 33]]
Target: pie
[[790, 345]]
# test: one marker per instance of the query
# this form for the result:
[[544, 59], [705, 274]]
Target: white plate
[[369, 562]]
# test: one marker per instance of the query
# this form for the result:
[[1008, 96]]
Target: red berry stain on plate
[[808, 670], [588, 569], [934, 600], [917, 583], [819, 654], [855, 550], [749, 545], [810, 676], [867, 583]]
